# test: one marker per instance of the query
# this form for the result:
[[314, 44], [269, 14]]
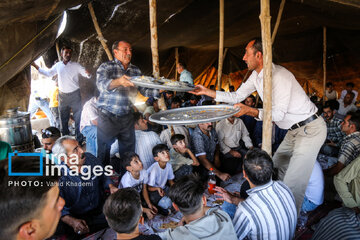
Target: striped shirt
[[144, 143], [117, 100], [341, 223], [268, 213], [350, 148]]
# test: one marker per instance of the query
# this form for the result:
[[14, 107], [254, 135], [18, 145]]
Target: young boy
[[123, 213], [159, 174], [181, 165], [200, 222], [137, 178]]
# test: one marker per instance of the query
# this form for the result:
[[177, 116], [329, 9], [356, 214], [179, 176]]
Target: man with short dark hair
[[291, 109], [349, 88], [123, 213], [115, 107], [199, 221], [330, 93], [249, 121], [69, 90], [185, 75], [346, 104], [49, 137], [269, 212], [31, 211]]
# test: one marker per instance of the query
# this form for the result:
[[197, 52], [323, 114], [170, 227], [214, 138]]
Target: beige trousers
[[296, 156]]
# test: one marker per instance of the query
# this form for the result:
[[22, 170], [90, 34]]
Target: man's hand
[[223, 176], [235, 153], [79, 226], [149, 213], [161, 192], [124, 81], [246, 110], [331, 143], [201, 90], [223, 194], [112, 188], [153, 209]]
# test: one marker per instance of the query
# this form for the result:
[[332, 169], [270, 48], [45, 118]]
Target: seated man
[[249, 121], [166, 134], [347, 185], [205, 146], [82, 189], [28, 212], [346, 104], [88, 125], [341, 223], [199, 221], [231, 132], [350, 148], [49, 137], [349, 88], [334, 134], [192, 102], [269, 212], [123, 214]]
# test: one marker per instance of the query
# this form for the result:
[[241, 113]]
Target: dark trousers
[[111, 127], [231, 164], [71, 101]]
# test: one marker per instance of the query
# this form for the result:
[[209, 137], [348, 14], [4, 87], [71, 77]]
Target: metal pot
[[15, 128]]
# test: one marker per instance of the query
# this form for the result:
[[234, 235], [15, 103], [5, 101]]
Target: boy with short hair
[[123, 213], [181, 165], [159, 174], [200, 222], [137, 178]]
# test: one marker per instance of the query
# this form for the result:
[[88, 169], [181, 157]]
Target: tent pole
[[58, 51], [176, 62], [154, 39], [99, 33], [282, 4], [265, 20], [221, 44], [324, 63]]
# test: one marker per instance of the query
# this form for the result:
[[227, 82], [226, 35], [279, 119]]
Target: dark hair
[[65, 47], [187, 193], [252, 97], [350, 84], [257, 45], [175, 100], [51, 132], [20, 204], [116, 44], [127, 157], [212, 87], [123, 210], [355, 119], [137, 116], [159, 148], [352, 94], [177, 137], [169, 92], [182, 64], [258, 166], [329, 84], [332, 104], [231, 87]]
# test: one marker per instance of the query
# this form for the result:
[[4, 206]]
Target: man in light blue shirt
[[185, 75]]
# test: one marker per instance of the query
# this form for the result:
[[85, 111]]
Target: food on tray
[[220, 202], [171, 224]]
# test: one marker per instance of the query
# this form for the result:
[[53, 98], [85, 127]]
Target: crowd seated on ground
[[166, 171]]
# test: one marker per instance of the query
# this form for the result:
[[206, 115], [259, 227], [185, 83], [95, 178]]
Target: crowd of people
[[158, 169]]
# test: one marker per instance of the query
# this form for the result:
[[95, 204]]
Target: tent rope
[[26, 45]]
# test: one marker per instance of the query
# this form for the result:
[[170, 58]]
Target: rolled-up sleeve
[[103, 79], [236, 97], [50, 72]]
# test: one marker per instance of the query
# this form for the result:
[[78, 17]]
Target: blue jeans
[[90, 132], [307, 205], [229, 208], [41, 103]]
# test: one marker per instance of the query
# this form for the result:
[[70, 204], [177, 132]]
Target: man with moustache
[[205, 145], [291, 109], [69, 91], [83, 193], [115, 109]]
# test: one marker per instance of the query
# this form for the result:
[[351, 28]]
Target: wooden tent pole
[[324, 63], [99, 33], [58, 51], [265, 20], [282, 4], [176, 62], [221, 44], [154, 39]]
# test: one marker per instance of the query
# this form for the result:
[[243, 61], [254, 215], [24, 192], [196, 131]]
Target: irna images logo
[[16, 154]]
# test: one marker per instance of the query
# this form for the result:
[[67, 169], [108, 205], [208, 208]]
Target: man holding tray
[[291, 109], [115, 108]]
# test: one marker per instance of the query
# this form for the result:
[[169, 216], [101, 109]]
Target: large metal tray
[[162, 83], [194, 115]]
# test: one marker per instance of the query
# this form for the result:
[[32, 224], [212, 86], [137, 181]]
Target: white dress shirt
[[89, 113], [344, 110], [290, 104], [230, 134], [68, 75]]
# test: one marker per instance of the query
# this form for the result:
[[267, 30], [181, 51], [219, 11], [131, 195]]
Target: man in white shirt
[[69, 92], [349, 88], [346, 104], [291, 109], [88, 125], [230, 132]]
